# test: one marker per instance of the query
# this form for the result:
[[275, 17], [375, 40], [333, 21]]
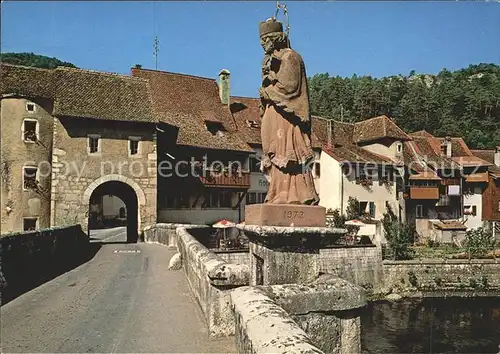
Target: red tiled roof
[[82, 93], [246, 110], [187, 102], [487, 155], [378, 128]]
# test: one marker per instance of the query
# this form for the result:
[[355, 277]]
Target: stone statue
[[286, 121]]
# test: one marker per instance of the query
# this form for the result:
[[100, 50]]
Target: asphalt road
[[123, 300]]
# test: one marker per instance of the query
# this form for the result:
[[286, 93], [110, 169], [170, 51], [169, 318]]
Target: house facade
[[361, 160], [82, 135], [445, 184]]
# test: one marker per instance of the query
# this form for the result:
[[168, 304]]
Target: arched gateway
[[127, 190]]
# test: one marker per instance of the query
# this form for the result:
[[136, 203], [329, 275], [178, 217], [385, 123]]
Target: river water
[[432, 325]]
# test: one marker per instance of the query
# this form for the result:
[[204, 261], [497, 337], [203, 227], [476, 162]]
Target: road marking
[[127, 251], [119, 234]]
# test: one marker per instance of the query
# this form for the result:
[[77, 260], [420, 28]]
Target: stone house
[[94, 135]]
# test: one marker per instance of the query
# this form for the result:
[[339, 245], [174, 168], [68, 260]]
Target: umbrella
[[224, 224]]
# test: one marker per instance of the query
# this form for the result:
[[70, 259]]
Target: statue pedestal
[[286, 255], [285, 215]]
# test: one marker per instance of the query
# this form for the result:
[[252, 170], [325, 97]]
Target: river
[[432, 325]]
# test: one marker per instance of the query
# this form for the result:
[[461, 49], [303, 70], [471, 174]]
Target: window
[[251, 198], [367, 208], [133, 145], [215, 128], [29, 224], [93, 144], [419, 211], [317, 169], [470, 210], [29, 178], [30, 130], [254, 164], [399, 148], [30, 107]]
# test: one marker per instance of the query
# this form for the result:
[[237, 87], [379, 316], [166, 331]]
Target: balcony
[[424, 193], [226, 179]]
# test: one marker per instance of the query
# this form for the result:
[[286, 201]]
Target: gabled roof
[[93, 94], [342, 148], [186, 102], [489, 156], [82, 93], [378, 128]]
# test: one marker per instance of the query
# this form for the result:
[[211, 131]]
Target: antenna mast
[[156, 47]]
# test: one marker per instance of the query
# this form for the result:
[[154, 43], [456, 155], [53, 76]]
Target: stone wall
[[165, 234], [361, 265], [30, 258], [16, 202], [211, 280], [319, 317], [234, 257], [450, 277], [77, 172]]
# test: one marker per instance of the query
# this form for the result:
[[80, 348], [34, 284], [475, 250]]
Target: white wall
[[381, 149], [379, 194], [330, 180], [473, 222]]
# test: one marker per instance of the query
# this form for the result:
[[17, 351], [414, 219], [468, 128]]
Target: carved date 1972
[[289, 214]]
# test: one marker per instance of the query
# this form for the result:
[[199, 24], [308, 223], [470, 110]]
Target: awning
[[477, 177]]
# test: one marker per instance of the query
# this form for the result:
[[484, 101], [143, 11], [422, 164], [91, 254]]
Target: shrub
[[479, 242], [399, 236], [412, 278]]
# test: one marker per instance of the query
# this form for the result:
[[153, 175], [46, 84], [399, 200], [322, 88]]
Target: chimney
[[135, 68], [224, 87], [447, 146], [497, 156]]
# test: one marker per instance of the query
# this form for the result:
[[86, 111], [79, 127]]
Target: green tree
[[35, 60]]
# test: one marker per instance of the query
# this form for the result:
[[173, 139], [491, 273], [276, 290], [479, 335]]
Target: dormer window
[[215, 128], [252, 123], [30, 107]]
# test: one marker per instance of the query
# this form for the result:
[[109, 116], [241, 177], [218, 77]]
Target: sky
[[201, 38]]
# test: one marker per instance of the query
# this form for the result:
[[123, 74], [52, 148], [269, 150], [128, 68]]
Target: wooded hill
[[462, 103], [35, 60]]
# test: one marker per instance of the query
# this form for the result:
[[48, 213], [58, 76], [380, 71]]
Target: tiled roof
[[487, 155], [354, 153], [450, 225], [246, 113], [27, 81], [343, 148], [92, 94], [187, 102], [378, 128], [82, 93]]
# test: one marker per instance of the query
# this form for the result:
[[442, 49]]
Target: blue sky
[[200, 38]]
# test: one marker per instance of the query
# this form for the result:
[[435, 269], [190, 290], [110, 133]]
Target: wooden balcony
[[424, 193], [226, 179]]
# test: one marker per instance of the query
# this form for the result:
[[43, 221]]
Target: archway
[[125, 193]]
